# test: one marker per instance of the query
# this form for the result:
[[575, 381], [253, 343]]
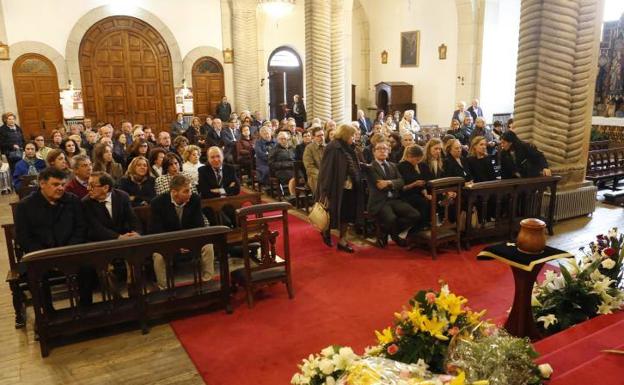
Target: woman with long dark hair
[[413, 171], [520, 159], [340, 185]]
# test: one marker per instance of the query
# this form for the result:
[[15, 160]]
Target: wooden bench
[[140, 304], [494, 209], [605, 165], [16, 277], [599, 145]]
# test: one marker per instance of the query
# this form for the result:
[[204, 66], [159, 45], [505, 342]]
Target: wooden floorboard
[[128, 357]]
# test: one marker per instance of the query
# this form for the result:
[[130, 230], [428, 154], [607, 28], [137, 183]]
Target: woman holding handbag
[[339, 186]]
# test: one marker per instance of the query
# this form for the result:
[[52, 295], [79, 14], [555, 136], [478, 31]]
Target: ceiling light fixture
[[277, 8]]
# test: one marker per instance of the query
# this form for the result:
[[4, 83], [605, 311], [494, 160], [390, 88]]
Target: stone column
[[557, 61], [318, 66], [245, 47], [338, 61], [555, 80]]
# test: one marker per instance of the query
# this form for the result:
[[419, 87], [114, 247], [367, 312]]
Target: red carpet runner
[[339, 299]]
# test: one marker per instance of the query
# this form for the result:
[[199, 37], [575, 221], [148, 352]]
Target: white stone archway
[[93, 16]]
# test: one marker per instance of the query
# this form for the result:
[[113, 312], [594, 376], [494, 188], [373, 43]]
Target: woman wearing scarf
[[29, 165]]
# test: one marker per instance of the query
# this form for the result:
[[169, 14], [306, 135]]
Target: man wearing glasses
[[384, 186]]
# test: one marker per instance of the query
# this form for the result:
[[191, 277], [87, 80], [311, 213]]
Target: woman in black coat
[[520, 159], [138, 182], [414, 191], [455, 164], [479, 162], [340, 185]]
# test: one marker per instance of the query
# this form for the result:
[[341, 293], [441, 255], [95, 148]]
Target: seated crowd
[[90, 176]]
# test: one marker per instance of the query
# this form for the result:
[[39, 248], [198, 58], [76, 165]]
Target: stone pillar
[[245, 47], [557, 61], [338, 61], [555, 79], [318, 64]]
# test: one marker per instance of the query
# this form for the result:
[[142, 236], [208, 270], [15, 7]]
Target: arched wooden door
[[285, 80], [125, 67], [37, 92], [208, 86]]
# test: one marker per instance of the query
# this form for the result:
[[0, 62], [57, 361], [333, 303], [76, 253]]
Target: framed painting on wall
[[410, 48]]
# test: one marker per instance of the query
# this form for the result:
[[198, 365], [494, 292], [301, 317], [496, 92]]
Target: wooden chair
[[266, 267], [303, 193], [442, 230]]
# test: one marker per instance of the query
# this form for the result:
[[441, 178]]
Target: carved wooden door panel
[[38, 99], [208, 86], [126, 73]]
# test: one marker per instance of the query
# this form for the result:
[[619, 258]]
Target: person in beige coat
[[312, 156]]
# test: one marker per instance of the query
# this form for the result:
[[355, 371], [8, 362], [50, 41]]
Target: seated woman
[[433, 160], [56, 159], [71, 149], [121, 147], [479, 162], [138, 183], [413, 172], [455, 164], [42, 149], [396, 151], [171, 167], [103, 161], [245, 150], [139, 147], [29, 165], [281, 161], [519, 159], [57, 139], [191, 162], [156, 158], [193, 131]]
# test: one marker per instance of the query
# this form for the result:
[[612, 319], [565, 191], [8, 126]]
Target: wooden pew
[[507, 202], [598, 145], [604, 165], [140, 305]]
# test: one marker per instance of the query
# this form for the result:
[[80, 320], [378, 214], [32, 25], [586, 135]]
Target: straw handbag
[[319, 216]]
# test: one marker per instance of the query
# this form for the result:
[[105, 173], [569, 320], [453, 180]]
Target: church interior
[[312, 192]]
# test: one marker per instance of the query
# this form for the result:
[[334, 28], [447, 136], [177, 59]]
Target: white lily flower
[[330, 381], [548, 320], [445, 290], [549, 276], [535, 301], [328, 351], [608, 264], [326, 366], [613, 233], [602, 285], [347, 352], [596, 275]]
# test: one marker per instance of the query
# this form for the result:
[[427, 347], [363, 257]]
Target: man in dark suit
[[365, 123], [384, 186], [215, 135], [51, 217], [108, 210], [224, 110], [217, 180], [178, 209], [298, 111]]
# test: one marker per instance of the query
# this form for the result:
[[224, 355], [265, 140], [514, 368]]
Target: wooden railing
[[141, 301], [494, 209]]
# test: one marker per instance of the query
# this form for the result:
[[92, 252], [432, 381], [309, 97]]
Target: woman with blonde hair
[[191, 164], [455, 164], [339, 185], [479, 162], [433, 159], [138, 182]]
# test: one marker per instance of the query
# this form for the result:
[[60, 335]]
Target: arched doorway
[[285, 80], [36, 89], [125, 68], [208, 86]]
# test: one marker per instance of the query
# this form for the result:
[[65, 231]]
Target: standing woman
[[103, 161], [340, 185], [520, 159], [138, 183], [413, 172]]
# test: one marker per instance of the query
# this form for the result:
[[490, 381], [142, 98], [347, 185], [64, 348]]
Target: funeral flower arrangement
[[425, 328], [583, 289], [435, 340]]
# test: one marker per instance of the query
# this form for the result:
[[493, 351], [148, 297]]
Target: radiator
[[572, 203]]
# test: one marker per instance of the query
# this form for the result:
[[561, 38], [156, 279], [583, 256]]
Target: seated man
[[82, 168], [108, 212], [178, 209], [217, 179], [384, 184], [51, 217]]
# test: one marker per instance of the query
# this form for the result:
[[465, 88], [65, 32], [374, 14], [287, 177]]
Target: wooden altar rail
[[141, 303], [496, 208]]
